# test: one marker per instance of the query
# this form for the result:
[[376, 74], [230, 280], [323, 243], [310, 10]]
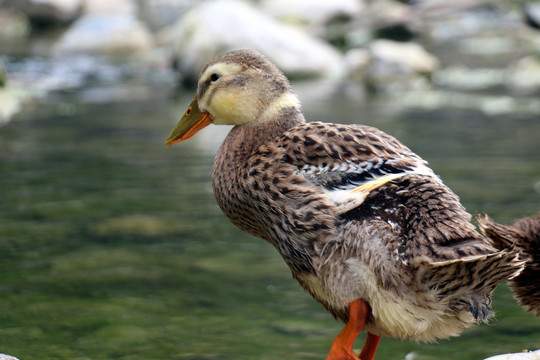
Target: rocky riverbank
[[465, 54]]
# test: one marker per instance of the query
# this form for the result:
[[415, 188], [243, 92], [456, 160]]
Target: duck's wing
[[347, 162], [317, 175], [307, 182]]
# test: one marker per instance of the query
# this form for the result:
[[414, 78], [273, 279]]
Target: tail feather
[[501, 236], [525, 236], [470, 281]]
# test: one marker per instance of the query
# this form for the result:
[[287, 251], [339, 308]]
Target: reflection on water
[[112, 246]]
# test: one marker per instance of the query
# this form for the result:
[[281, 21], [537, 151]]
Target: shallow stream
[[112, 246]]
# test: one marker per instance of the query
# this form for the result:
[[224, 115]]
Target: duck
[[364, 225], [525, 235]]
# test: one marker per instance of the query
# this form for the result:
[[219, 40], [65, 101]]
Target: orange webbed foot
[[342, 345], [368, 351], [370, 346], [342, 354]]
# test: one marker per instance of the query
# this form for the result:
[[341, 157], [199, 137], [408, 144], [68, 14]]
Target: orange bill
[[192, 121]]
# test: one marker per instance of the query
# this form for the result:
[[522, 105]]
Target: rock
[[389, 20], [3, 74], [12, 98], [160, 13], [108, 26], [531, 10], [218, 26], [7, 357], [51, 11], [357, 62], [329, 20], [105, 33], [399, 63], [491, 105], [311, 11], [452, 21], [464, 78], [15, 24], [533, 355], [524, 75], [110, 7], [408, 57], [386, 12]]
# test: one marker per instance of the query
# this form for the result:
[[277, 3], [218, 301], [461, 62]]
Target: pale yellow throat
[[235, 107]]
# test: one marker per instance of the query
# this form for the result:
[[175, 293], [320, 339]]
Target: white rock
[[533, 355], [357, 62], [524, 74], [311, 11], [464, 78], [408, 57], [387, 12], [12, 99], [51, 10], [15, 24], [397, 67], [105, 33], [110, 6], [218, 26], [161, 13], [7, 357]]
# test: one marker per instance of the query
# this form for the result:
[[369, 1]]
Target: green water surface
[[112, 246]]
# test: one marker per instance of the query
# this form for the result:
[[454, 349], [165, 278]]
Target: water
[[112, 246]]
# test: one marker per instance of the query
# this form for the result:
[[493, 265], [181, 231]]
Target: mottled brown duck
[[363, 223], [525, 234]]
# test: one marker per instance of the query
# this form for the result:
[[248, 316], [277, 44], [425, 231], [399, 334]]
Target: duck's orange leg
[[370, 346], [342, 346]]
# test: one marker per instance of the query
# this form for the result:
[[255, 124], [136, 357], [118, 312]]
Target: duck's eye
[[214, 77]]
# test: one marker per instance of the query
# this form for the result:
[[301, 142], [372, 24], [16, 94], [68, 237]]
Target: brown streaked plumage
[[525, 235], [364, 225]]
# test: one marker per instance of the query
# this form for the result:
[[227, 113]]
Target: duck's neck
[[243, 141]]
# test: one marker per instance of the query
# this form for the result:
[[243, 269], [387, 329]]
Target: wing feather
[[348, 161]]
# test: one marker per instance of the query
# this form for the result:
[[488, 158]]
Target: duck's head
[[240, 88]]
